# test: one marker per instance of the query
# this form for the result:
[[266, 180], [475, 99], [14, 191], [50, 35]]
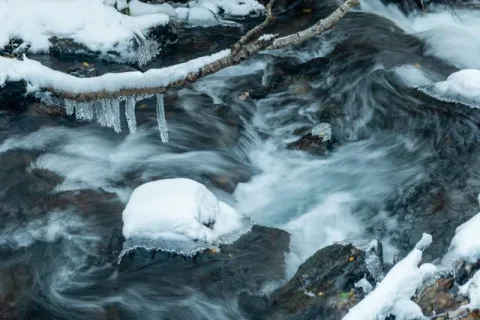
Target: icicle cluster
[[107, 112]]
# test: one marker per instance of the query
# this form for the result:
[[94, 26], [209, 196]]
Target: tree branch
[[316, 29], [255, 32], [246, 47]]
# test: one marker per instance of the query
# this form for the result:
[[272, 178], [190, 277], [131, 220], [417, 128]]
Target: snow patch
[[460, 87], [179, 215], [392, 296]]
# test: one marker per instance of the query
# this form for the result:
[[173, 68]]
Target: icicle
[[162, 123], [100, 112], [117, 125], [79, 110], [89, 107], [130, 114], [108, 111], [69, 106]]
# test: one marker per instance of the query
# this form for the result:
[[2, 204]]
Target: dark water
[[401, 164]]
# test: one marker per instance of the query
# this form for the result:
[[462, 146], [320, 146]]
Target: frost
[[323, 130], [146, 51], [130, 114], [162, 123]]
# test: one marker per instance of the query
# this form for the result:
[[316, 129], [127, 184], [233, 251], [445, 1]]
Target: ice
[[108, 113], [392, 296], [69, 106], [100, 112], [89, 110], [181, 215], [465, 244], [115, 107], [130, 114], [79, 113], [97, 26], [162, 123], [460, 87]]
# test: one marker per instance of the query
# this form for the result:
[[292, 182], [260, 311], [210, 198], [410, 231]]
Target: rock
[[437, 298], [248, 263], [324, 286], [311, 143], [13, 95]]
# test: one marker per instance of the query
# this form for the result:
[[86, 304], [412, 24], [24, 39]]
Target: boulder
[[325, 286]]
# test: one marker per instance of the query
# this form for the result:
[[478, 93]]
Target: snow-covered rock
[[472, 290], [465, 244], [460, 87], [179, 215], [93, 24], [392, 296]]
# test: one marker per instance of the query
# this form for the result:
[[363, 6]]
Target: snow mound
[[460, 87], [465, 244], [179, 215], [392, 296], [97, 26]]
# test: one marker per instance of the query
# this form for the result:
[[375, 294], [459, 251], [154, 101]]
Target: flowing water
[[397, 157]]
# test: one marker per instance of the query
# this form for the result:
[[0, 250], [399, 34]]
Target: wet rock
[[13, 95], [251, 261], [438, 298], [324, 286], [317, 141]]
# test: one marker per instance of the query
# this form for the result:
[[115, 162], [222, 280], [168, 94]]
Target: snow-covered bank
[[179, 215], [91, 23]]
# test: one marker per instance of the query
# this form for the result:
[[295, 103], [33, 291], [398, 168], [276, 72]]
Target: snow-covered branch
[[157, 81]]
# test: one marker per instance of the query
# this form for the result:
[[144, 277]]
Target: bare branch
[[317, 28], [255, 32]]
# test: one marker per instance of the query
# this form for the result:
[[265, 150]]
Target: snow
[[392, 296], [43, 77], [180, 215], [92, 23], [472, 290], [229, 7], [138, 8], [460, 87], [465, 244]]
